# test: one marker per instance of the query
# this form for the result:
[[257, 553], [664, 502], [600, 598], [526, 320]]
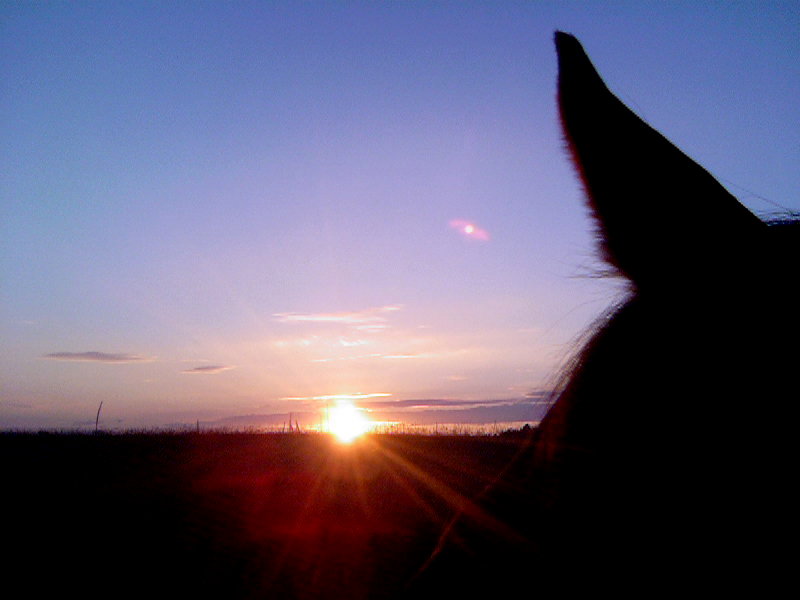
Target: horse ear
[[661, 216]]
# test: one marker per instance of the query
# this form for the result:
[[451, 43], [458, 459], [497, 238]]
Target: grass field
[[233, 515]]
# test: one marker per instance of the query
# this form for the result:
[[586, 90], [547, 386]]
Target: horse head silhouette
[[672, 420], [667, 453], [670, 433]]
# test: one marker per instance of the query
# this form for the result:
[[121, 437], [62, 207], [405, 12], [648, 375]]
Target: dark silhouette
[[667, 458]]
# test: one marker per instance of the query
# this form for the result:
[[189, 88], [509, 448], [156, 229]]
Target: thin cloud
[[207, 369], [369, 319], [373, 356], [356, 396], [8, 404], [101, 357], [343, 358], [443, 403], [539, 395]]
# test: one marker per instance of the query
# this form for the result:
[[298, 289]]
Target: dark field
[[232, 515]]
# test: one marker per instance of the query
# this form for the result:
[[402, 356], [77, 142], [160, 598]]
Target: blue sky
[[218, 209]]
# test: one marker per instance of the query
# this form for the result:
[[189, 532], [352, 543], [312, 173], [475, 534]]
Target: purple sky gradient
[[262, 193]]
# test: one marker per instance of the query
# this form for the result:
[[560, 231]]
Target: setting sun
[[347, 422]]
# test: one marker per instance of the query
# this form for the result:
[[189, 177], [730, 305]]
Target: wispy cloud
[[353, 397], [377, 355], [93, 356], [428, 403], [9, 404], [317, 340], [207, 369], [343, 358], [369, 319]]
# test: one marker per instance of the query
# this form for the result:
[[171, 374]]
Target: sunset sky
[[213, 210]]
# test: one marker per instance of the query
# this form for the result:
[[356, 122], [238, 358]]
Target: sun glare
[[347, 422]]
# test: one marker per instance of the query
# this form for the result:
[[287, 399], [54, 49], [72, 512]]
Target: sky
[[221, 211]]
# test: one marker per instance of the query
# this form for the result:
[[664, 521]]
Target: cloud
[[102, 357], [208, 369], [444, 410], [341, 358], [369, 319], [356, 396], [17, 405], [443, 403], [375, 355]]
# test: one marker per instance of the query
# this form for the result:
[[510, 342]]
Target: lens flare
[[470, 230]]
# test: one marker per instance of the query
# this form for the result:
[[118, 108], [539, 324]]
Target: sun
[[347, 422]]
